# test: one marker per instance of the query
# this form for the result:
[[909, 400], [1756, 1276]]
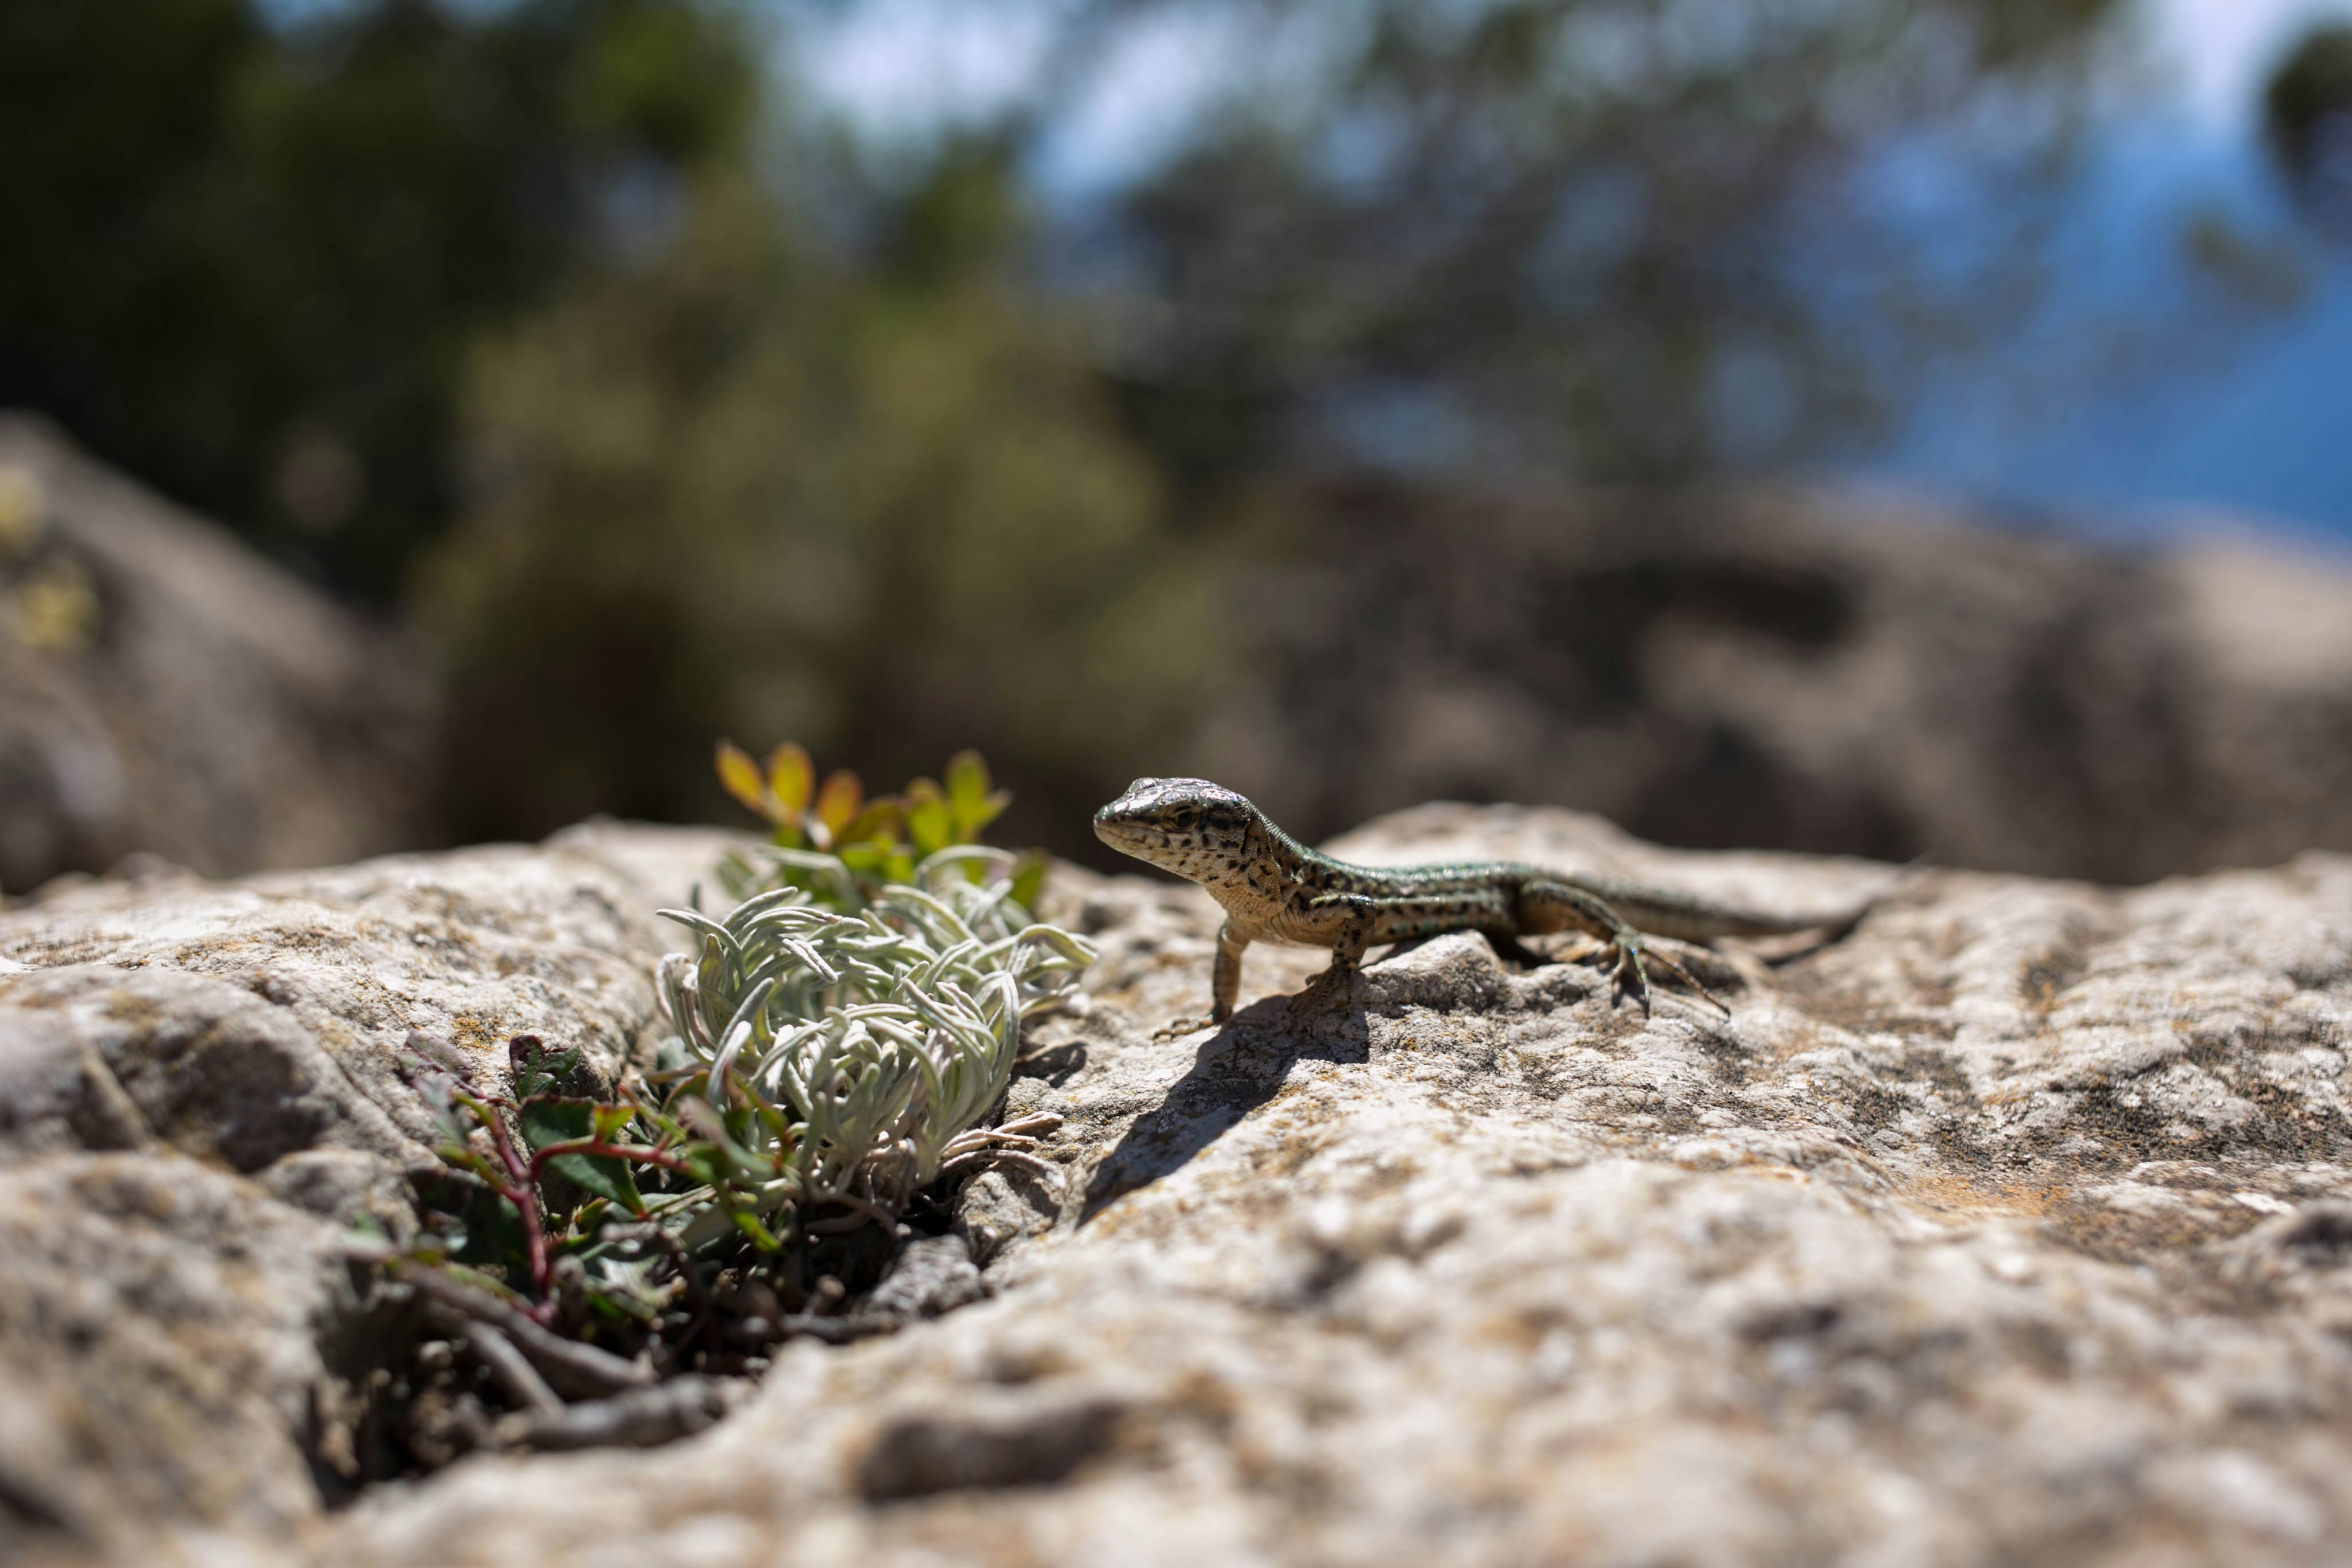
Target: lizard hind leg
[[1350, 935], [1555, 906], [1631, 954]]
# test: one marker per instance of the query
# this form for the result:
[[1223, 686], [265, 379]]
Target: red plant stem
[[524, 1194]]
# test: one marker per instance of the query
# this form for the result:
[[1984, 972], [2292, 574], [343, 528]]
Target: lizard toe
[[1631, 979]]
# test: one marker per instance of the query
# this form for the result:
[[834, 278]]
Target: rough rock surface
[[2015, 1227], [1800, 670], [164, 690], [198, 1096]]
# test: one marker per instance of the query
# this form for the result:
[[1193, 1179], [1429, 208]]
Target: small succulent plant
[[855, 1047], [838, 1039]]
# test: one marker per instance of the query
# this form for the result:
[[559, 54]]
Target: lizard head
[[1190, 826]]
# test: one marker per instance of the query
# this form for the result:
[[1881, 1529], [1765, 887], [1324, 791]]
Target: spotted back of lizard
[[1217, 837]]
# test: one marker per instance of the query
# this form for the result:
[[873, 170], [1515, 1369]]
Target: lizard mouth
[[1125, 835], [1147, 841]]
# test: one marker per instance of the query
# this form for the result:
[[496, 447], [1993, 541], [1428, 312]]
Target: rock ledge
[[2016, 1227]]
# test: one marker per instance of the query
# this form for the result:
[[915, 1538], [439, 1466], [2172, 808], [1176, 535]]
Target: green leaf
[[970, 823], [619, 1309], [967, 778], [534, 1069], [877, 822], [491, 1229], [971, 805], [602, 1175], [706, 1163], [870, 865], [462, 1157], [929, 821], [735, 1162], [609, 1121], [740, 777], [434, 1089], [547, 1120], [837, 802], [789, 774], [749, 1224], [589, 1220], [1029, 878], [551, 1118]]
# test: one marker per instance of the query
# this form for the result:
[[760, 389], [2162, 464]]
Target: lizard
[[1273, 887]]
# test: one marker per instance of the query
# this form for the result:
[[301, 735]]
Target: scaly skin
[[1273, 888]]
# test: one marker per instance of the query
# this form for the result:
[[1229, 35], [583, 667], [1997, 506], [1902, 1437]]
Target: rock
[[166, 691], [931, 1275], [1799, 669], [640, 1419], [199, 1099], [2011, 1227]]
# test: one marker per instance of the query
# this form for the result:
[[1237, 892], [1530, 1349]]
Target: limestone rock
[[2016, 1227], [164, 690], [1967, 1239], [199, 1098]]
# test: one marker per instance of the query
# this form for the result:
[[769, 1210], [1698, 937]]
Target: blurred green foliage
[[246, 263], [743, 488]]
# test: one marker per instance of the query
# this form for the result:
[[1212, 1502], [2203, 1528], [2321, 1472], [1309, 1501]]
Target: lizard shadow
[[1240, 1068]]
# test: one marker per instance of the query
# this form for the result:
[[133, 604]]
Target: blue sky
[[2256, 430]]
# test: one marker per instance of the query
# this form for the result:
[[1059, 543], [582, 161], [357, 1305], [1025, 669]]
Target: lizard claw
[[1632, 976]]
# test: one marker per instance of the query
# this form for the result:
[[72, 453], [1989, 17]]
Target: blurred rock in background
[[162, 689], [1804, 669]]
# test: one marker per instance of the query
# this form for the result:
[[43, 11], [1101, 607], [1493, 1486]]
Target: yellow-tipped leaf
[[740, 777], [837, 801], [791, 775], [877, 822]]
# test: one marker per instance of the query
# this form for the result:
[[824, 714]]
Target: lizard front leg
[[1224, 985], [1548, 906], [1225, 975]]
